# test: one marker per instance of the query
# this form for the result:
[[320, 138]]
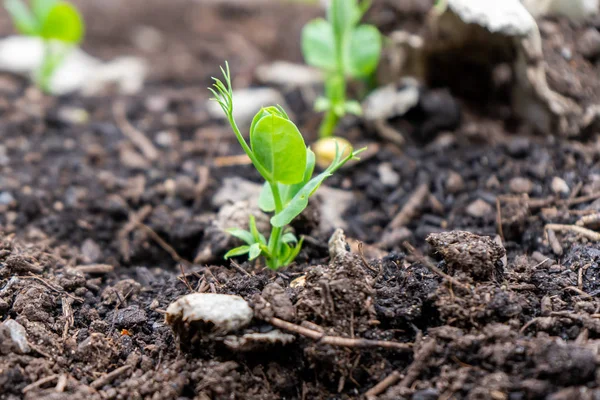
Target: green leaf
[[264, 112], [254, 251], [318, 45], [238, 251], [363, 51], [289, 238], [256, 235], [266, 202], [279, 148], [294, 253], [300, 200], [343, 15], [242, 235], [22, 17], [322, 104], [63, 23], [41, 9], [353, 107], [308, 172]]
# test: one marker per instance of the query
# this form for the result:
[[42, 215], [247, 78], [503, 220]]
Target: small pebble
[[454, 182], [387, 175], [185, 187], [492, 182], [17, 335], [559, 186], [589, 43], [479, 208], [520, 185], [6, 198], [518, 147], [91, 251]]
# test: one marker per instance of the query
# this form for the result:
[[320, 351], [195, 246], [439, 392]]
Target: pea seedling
[[278, 153], [57, 23], [341, 48]]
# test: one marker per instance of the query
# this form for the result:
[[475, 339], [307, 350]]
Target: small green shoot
[[342, 48], [278, 152], [57, 23]]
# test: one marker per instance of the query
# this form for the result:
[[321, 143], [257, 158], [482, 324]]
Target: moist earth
[[461, 246]]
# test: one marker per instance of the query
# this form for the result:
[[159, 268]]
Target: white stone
[[575, 10], [17, 335], [508, 17], [227, 313], [246, 103], [390, 101], [285, 73], [79, 71]]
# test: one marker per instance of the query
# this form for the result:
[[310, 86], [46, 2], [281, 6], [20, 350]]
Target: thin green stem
[[275, 237], [328, 123], [263, 172]]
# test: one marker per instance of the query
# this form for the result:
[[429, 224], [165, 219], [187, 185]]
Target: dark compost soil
[[511, 321]]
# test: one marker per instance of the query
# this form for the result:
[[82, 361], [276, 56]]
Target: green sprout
[[57, 23], [342, 49], [278, 153]]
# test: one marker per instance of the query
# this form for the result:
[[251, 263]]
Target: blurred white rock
[[79, 72], [246, 103], [576, 10], [288, 74], [507, 16]]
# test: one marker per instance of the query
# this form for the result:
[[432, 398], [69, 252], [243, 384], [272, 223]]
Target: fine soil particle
[[97, 240]]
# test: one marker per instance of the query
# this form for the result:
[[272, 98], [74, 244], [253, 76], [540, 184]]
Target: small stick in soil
[[103, 380], [362, 257], [411, 208], [164, 245], [184, 278], [383, 385], [52, 287], [337, 340], [587, 233], [499, 219], [554, 243], [203, 181], [95, 268], [580, 200], [579, 291], [412, 373], [39, 383], [231, 161], [239, 268], [62, 383], [422, 259], [68, 314], [135, 218], [591, 219], [138, 138]]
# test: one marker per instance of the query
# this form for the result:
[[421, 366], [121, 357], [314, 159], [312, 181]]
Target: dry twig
[[39, 383], [411, 208], [140, 140], [95, 268], [103, 380], [412, 373], [423, 260], [337, 340], [587, 233], [164, 245]]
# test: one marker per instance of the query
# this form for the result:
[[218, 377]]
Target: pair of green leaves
[[339, 43], [256, 244], [47, 19]]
